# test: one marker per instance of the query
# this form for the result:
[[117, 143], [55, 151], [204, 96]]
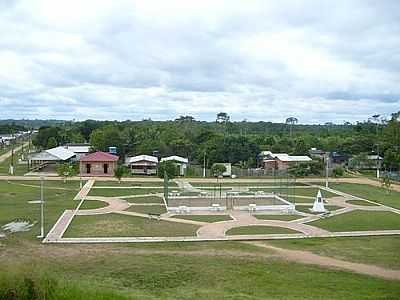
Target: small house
[[279, 161], [179, 161], [98, 164], [143, 164]]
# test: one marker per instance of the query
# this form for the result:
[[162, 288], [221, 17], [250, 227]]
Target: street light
[[41, 209], [327, 172]]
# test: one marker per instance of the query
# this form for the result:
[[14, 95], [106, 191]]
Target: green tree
[[218, 169], [386, 183], [338, 171], [66, 170], [168, 167], [52, 142], [119, 173]]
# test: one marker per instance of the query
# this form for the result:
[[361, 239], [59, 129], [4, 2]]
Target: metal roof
[[137, 158], [99, 156], [176, 158], [61, 153]]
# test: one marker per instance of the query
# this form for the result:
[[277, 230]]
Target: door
[[105, 167], [88, 168]]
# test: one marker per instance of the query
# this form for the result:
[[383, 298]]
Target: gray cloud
[[262, 60]]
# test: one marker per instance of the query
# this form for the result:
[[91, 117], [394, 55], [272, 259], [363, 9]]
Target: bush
[[338, 171]]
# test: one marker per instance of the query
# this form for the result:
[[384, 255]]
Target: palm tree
[[291, 121]]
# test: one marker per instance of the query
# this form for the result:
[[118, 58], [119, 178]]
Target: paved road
[[8, 154]]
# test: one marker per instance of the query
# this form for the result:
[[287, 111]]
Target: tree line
[[226, 141]]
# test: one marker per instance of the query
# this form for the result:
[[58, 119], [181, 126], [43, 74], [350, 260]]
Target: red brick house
[[98, 164]]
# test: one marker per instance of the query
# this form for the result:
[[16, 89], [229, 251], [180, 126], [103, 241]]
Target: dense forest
[[226, 141]]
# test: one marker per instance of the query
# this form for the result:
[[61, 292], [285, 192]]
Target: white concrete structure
[[179, 161], [318, 203]]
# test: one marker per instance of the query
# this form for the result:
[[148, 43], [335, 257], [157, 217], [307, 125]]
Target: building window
[[88, 168]]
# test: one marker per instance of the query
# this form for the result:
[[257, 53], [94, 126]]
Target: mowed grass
[[145, 199], [204, 218], [148, 209], [14, 205], [306, 209], [133, 183], [379, 250], [199, 271], [369, 192], [278, 217], [93, 204], [259, 229], [116, 192], [73, 185], [360, 202], [360, 221], [116, 225]]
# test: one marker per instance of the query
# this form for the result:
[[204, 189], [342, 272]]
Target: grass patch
[[93, 204], [116, 225], [259, 229], [360, 202], [145, 199], [360, 221], [14, 205], [369, 192], [306, 209], [133, 183], [200, 271], [278, 217], [122, 192], [148, 209], [378, 250], [204, 218]]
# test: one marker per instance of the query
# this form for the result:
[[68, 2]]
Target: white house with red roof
[[98, 164]]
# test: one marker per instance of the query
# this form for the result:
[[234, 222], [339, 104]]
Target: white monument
[[318, 203]]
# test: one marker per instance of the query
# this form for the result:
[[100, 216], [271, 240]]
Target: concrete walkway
[[307, 257], [85, 190], [114, 205], [6, 155], [219, 229]]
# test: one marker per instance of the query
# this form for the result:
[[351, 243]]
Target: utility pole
[[41, 210], [327, 172], [204, 164], [12, 159]]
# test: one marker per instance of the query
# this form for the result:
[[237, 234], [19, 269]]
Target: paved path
[[114, 205], [218, 230], [85, 190], [6, 155], [55, 234], [314, 259]]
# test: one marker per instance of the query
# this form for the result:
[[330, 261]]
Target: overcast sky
[[319, 61]]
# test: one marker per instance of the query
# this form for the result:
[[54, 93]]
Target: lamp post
[[41, 236], [204, 164], [327, 172]]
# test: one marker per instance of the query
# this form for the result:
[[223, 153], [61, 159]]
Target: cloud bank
[[257, 60]]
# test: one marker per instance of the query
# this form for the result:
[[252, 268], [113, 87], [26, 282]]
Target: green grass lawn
[[278, 217], [148, 209], [359, 221], [113, 192], [360, 202], [369, 192], [14, 205], [134, 183], [93, 204], [204, 218], [73, 185], [306, 209], [145, 199], [19, 169], [378, 250], [116, 225], [190, 271], [259, 229]]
